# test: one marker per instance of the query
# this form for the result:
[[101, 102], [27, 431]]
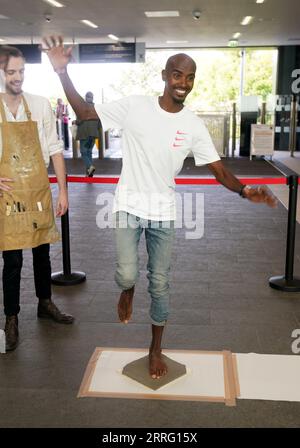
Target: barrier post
[[233, 131], [293, 126], [67, 277], [263, 113], [287, 282]]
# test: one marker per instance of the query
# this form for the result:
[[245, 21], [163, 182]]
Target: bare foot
[[157, 367], [125, 305]]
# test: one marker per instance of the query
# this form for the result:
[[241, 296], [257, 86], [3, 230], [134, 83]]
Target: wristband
[[242, 189], [241, 193]]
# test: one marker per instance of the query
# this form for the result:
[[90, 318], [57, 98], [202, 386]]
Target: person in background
[[87, 132], [28, 140], [62, 123], [65, 122]]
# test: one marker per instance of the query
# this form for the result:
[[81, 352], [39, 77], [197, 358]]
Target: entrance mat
[[210, 376]]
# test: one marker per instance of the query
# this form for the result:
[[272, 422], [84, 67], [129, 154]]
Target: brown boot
[[11, 332], [48, 310]]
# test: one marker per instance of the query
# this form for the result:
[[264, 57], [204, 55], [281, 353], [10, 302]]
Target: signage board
[[31, 52], [262, 140], [99, 53]]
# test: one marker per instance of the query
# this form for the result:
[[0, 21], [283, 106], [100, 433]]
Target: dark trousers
[[13, 261], [66, 135]]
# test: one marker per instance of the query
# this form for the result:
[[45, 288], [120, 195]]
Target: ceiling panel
[[276, 22]]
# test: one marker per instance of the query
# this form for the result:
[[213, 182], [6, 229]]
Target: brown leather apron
[[26, 212]]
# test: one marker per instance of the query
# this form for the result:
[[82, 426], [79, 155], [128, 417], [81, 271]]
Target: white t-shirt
[[42, 113], [155, 144]]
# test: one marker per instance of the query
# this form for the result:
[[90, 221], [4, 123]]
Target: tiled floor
[[220, 299]]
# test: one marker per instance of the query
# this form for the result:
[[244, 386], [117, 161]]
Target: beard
[[178, 100], [15, 91]]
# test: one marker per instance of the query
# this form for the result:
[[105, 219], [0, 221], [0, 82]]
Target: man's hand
[[62, 203], [260, 194], [3, 186], [59, 56]]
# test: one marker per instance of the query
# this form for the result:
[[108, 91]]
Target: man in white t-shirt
[[158, 134]]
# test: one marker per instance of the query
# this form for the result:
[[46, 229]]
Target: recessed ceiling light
[[246, 20], [113, 37], [260, 1], [89, 23], [162, 13], [236, 35], [55, 3], [177, 41]]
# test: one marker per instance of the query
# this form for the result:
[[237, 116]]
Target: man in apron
[[28, 140]]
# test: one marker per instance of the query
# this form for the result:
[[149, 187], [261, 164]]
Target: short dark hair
[[10, 52]]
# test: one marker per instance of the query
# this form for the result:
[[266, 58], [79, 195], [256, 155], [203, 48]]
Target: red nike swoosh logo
[[176, 146], [179, 139], [181, 133]]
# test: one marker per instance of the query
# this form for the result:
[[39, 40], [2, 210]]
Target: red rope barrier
[[245, 180], [178, 180]]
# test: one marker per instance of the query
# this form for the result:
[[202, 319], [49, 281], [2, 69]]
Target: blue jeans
[[86, 150], [159, 240]]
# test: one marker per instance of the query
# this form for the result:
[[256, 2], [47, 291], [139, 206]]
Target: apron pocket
[[39, 220], [18, 224]]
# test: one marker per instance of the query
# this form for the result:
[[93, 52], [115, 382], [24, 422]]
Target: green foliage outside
[[218, 81], [139, 79], [259, 73]]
